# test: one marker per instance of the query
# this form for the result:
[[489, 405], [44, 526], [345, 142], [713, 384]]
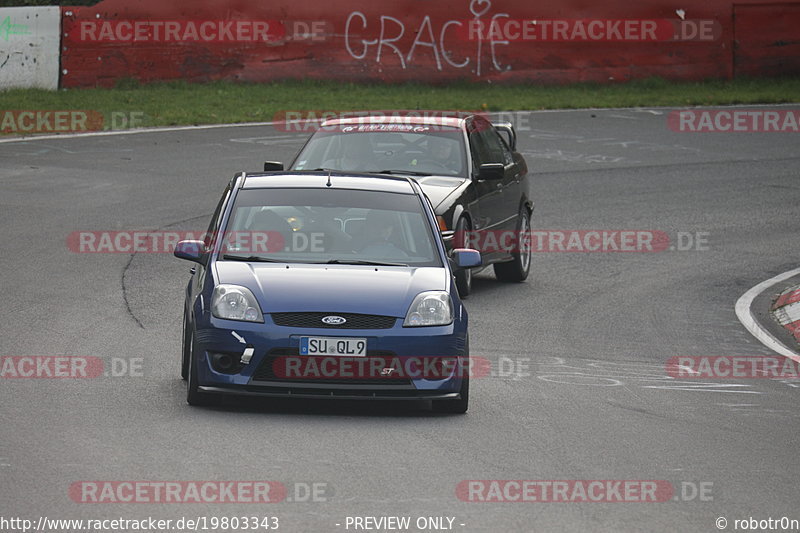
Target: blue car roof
[[338, 180]]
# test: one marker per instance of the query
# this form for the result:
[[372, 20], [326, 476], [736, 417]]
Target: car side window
[[493, 144], [216, 220], [480, 154], [508, 157]]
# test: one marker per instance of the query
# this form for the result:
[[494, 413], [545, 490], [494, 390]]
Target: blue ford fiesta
[[325, 285]]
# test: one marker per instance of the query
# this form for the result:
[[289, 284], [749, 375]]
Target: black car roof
[[337, 179]]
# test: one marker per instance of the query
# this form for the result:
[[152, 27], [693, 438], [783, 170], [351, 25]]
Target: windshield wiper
[[363, 262], [411, 172], [253, 258]]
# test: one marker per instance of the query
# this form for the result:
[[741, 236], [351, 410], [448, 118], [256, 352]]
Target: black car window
[[480, 153], [508, 157], [216, 220], [416, 149], [493, 144]]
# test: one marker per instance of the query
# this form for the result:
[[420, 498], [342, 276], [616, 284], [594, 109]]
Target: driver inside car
[[379, 236], [442, 155]]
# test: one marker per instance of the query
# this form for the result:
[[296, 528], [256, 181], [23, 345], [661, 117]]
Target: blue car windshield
[[416, 150], [329, 226]]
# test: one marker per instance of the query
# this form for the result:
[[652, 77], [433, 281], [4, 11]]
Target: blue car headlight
[[234, 302], [430, 308]]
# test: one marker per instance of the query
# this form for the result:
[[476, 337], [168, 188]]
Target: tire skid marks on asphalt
[[645, 375], [574, 157], [758, 409], [606, 142], [549, 135], [25, 149], [597, 373], [793, 383]]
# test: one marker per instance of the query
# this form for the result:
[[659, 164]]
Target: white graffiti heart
[[475, 10]]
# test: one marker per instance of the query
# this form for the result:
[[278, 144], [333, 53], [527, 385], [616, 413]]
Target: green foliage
[[181, 103]]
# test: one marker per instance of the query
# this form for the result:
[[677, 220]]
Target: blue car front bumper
[[269, 341]]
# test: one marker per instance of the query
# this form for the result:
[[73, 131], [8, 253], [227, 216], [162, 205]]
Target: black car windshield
[[401, 148], [331, 226]]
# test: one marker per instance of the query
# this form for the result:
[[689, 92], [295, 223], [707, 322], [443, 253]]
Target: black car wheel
[[459, 406], [463, 276], [185, 344], [193, 394], [517, 269]]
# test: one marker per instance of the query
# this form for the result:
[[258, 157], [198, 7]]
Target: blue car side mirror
[[467, 258], [190, 250]]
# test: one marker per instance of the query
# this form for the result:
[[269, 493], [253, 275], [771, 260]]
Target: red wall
[[767, 38], [746, 43]]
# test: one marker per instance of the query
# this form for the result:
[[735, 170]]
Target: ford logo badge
[[334, 320]]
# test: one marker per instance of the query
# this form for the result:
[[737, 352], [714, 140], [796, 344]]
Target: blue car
[[325, 285]]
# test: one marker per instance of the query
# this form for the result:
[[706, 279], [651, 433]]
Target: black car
[[469, 169]]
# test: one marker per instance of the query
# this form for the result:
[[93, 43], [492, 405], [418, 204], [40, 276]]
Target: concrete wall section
[[29, 47]]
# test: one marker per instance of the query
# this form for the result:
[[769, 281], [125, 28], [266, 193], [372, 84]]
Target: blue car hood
[[370, 290]]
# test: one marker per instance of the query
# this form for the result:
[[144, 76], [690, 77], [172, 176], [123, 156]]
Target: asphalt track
[[587, 337]]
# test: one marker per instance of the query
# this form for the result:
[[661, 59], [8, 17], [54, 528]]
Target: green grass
[[180, 103]]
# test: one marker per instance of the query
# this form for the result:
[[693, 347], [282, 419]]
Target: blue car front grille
[[352, 320]]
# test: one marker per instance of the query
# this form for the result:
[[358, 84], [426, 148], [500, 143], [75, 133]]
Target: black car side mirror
[[272, 165], [491, 171]]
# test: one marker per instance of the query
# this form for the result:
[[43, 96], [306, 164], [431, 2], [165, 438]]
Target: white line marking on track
[[751, 324], [132, 132], [705, 387], [249, 124]]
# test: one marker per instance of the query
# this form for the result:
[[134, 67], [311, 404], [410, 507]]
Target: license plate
[[344, 346]]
